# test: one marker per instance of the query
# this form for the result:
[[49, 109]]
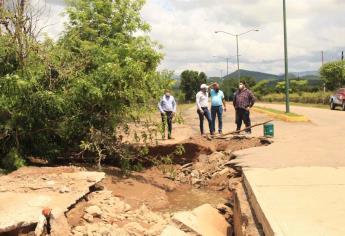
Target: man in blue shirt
[[217, 103], [167, 107]]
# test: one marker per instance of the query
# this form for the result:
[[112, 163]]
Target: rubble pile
[[109, 215], [213, 171]]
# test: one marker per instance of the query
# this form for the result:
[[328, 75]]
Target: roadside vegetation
[[76, 95], [303, 97]]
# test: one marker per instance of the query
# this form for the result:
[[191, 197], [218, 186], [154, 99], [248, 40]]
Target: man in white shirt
[[167, 107], [202, 106]]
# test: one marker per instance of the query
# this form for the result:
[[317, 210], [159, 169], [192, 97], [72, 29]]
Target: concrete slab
[[24, 193], [203, 220], [298, 200]]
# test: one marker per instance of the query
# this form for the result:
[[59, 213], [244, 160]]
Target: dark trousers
[[217, 111], [167, 119], [242, 115], [205, 114]]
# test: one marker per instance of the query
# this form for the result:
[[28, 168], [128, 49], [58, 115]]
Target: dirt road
[[190, 127]]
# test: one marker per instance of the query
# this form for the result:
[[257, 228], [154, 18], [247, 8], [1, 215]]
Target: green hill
[[254, 74]]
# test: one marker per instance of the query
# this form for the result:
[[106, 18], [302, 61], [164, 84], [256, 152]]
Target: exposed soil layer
[[145, 201], [196, 146]]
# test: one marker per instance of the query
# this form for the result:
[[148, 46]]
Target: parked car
[[338, 99]]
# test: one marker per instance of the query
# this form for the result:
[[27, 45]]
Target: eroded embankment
[[200, 182]]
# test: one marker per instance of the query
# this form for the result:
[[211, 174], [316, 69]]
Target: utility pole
[[342, 68], [237, 46], [322, 62], [287, 85], [238, 59], [227, 66]]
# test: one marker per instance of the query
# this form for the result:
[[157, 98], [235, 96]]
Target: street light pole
[[287, 85], [237, 42]]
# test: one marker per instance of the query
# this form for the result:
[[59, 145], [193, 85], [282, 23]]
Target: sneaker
[[220, 132]]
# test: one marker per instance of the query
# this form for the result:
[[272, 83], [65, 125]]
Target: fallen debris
[[31, 189], [204, 220]]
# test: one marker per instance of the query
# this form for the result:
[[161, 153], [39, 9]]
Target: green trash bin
[[269, 130]]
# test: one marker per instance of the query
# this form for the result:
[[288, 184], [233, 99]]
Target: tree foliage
[[295, 86], [333, 74], [190, 83], [230, 85], [67, 96]]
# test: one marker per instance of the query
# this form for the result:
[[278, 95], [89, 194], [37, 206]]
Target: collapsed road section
[[199, 193], [24, 193]]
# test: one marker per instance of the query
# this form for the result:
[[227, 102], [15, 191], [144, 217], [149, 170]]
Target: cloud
[[186, 28]]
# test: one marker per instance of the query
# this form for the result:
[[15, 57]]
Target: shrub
[[303, 97], [12, 160]]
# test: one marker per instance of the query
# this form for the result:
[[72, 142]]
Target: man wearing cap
[[217, 107], [167, 107], [202, 106], [243, 101]]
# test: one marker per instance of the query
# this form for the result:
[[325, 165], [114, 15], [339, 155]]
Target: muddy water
[[190, 198]]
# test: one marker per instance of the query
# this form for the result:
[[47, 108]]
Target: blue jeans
[[217, 111], [206, 113]]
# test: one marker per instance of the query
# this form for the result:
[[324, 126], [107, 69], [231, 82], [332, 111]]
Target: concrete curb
[[269, 225], [282, 117], [243, 219]]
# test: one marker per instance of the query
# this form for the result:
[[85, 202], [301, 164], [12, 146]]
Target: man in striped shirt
[[243, 101]]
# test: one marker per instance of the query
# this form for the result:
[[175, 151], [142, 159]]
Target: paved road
[[318, 143], [297, 185]]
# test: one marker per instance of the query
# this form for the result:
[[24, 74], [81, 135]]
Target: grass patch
[[291, 114], [321, 106], [185, 106], [281, 115]]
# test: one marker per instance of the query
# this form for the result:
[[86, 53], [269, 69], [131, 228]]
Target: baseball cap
[[203, 86]]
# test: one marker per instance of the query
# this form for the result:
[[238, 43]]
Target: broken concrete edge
[[203, 220], [286, 118], [269, 225], [243, 215], [34, 223]]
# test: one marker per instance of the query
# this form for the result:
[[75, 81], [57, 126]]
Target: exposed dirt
[[198, 145], [201, 175], [144, 201]]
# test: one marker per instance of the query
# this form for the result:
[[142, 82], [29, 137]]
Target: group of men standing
[[243, 100]]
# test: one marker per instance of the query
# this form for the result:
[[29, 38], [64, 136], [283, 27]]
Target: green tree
[[332, 74], [262, 88], [295, 86], [230, 85], [190, 83], [78, 92]]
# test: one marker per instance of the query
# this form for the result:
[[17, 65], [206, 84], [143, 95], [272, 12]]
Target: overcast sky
[[186, 28]]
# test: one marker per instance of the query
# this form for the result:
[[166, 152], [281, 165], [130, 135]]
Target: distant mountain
[[306, 73], [254, 74]]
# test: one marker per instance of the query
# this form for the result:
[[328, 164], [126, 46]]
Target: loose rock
[[94, 211]]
